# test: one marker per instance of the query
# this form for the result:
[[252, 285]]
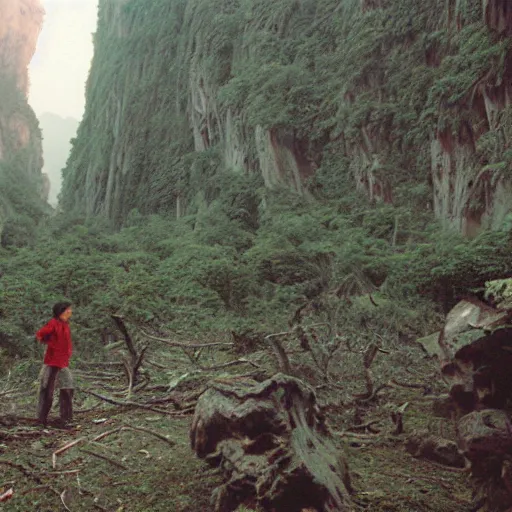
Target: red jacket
[[57, 335]]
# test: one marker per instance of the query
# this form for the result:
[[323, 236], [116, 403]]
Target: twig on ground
[[65, 448], [35, 489], [105, 434], [242, 360], [97, 374], [364, 426], [19, 435], [156, 365], [99, 363], [29, 474], [63, 499], [185, 345], [57, 473], [104, 457], [82, 411], [126, 403], [170, 442]]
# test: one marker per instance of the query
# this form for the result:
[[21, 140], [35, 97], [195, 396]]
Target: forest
[[300, 195]]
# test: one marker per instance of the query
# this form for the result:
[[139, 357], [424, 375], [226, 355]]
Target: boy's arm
[[45, 332]]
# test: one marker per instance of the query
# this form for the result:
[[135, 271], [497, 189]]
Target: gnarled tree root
[[271, 442]]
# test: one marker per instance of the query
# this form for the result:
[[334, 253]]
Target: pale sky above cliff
[[59, 69]]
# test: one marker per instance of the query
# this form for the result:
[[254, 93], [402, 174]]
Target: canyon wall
[[22, 186], [387, 97]]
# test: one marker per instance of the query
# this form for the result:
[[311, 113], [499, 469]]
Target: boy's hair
[[59, 308]]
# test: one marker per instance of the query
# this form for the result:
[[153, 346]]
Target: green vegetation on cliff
[[257, 158], [382, 96], [21, 184]]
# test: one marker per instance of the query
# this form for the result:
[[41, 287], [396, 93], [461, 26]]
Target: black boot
[[66, 406]]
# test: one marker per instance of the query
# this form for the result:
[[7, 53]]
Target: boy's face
[[66, 315]]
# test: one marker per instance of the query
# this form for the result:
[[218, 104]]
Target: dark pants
[[49, 376]]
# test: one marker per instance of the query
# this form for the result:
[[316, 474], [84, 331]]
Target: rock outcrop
[[475, 350]]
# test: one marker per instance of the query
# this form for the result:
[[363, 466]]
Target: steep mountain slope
[[21, 182], [405, 100], [57, 135]]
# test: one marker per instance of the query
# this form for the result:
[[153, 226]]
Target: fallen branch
[[35, 489], [22, 469], [228, 365], [82, 411], [105, 434], [97, 375], [65, 448], [98, 363], [28, 473], [105, 458], [157, 365], [8, 392], [170, 442], [18, 435], [186, 345], [58, 473], [364, 426], [280, 353], [368, 358], [125, 403]]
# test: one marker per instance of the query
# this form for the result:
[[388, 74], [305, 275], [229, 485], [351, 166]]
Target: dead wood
[[365, 426], [106, 434], [136, 356], [125, 403], [423, 445], [368, 357], [22, 469], [157, 365], [271, 441], [105, 458], [172, 343], [170, 442], [280, 353], [18, 434], [163, 438], [32, 475], [65, 448], [229, 364]]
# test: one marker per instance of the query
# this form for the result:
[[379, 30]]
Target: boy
[[57, 336]]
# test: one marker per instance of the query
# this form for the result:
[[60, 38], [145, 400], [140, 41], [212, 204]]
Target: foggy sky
[[60, 66]]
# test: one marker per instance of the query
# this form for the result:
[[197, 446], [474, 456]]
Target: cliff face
[[386, 95], [21, 182], [21, 22]]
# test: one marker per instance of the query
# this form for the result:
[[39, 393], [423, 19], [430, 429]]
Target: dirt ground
[[152, 468]]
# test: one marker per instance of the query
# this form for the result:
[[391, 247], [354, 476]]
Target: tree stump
[[272, 444]]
